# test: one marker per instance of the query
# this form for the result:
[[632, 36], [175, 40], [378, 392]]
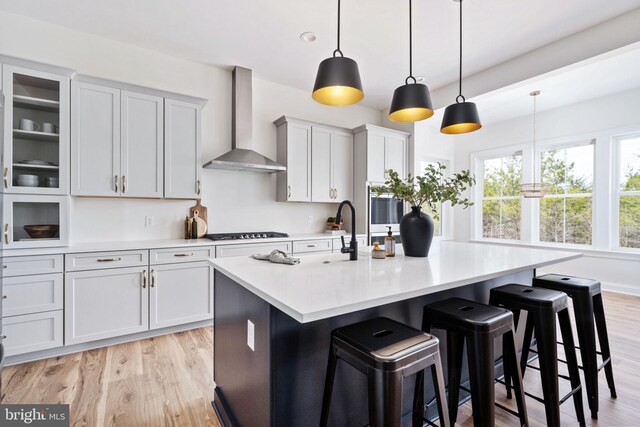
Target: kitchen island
[[273, 322]]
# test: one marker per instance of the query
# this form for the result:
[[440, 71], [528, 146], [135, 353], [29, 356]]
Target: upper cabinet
[[36, 132], [331, 164], [383, 149], [127, 143], [319, 162], [182, 168]]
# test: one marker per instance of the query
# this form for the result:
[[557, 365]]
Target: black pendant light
[[338, 79], [461, 117], [411, 102]]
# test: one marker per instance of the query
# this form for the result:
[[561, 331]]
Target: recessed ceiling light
[[308, 37], [419, 79]]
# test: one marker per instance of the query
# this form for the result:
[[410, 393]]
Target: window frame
[[616, 142]]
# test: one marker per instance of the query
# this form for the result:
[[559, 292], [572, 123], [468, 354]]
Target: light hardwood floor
[[167, 381]]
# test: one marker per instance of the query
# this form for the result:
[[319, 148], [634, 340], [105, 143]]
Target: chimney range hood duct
[[242, 157]]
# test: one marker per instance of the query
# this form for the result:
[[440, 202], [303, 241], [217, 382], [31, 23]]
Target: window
[[566, 212], [501, 198], [629, 192]]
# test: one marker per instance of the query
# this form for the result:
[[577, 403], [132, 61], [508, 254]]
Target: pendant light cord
[[460, 79], [411, 43], [533, 156], [338, 49]]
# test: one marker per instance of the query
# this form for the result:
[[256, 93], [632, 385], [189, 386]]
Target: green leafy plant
[[431, 188]]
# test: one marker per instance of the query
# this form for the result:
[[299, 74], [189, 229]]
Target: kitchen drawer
[[251, 248], [305, 246], [103, 260], [28, 265], [32, 332], [32, 294], [337, 243], [174, 255]]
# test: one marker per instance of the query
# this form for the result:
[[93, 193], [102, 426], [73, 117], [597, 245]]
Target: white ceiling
[[264, 35]]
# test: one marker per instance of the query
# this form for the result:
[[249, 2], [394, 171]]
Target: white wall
[[598, 118], [236, 201]]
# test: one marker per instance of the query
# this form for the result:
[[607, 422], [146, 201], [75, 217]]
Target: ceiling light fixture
[[461, 117], [411, 102], [534, 190], [308, 37], [338, 79]]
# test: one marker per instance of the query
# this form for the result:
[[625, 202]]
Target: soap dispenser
[[390, 244]]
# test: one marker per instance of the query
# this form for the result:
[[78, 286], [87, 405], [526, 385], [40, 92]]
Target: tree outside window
[[566, 213], [501, 202], [629, 192]]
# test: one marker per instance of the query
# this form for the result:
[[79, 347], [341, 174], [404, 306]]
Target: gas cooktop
[[243, 236]]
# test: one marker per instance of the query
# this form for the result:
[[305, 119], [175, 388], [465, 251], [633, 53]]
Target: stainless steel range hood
[[242, 157]]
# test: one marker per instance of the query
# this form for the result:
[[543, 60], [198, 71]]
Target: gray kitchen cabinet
[[32, 294], [331, 164], [32, 332], [105, 303], [35, 158], [117, 142], [294, 151], [182, 168], [383, 149], [180, 293], [141, 145], [23, 211]]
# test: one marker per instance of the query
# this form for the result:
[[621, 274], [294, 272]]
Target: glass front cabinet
[[35, 153], [34, 221]]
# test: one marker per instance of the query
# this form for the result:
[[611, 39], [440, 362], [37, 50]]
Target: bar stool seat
[[589, 315], [387, 352], [478, 324], [542, 306]]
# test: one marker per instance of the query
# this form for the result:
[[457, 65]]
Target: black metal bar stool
[[587, 303], [542, 306], [387, 352], [480, 325]]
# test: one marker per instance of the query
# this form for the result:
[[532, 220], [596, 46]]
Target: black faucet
[[352, 250]]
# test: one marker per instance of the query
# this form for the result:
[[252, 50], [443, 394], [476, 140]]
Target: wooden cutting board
[[202, 211]]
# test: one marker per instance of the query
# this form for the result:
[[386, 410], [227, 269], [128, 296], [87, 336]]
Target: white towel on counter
[[278, 257]]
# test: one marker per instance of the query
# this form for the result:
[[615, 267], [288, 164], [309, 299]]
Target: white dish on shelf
[[28, 180], [36, 162]]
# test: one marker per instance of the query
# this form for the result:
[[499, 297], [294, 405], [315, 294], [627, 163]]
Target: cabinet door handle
[[109, 259], [6, 234], [124, 188], [144, 279], [115, 182], [289, 191], [4, 297], [184, 254], [5, 175], [153, 278], [4, 337], [198, 187]]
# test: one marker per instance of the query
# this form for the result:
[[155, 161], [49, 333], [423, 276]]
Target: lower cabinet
[[32, 332], [105, 303], [180, 293]]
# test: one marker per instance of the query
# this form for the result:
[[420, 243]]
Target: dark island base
[[281, 382]]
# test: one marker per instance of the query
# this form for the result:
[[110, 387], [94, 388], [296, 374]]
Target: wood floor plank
[[168, 381]]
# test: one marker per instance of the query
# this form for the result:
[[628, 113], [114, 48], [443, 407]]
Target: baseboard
[[60, 351], [621, 288]]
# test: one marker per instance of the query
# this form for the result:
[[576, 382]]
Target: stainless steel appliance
[[384, 211], [246, 236]]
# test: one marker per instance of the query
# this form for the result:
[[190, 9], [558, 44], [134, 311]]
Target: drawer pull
[[4, 297], [4, 337], [153, 278], [4, 266], [109, 259], [144, 279], [6, 234], [312, 246], [184, 254]]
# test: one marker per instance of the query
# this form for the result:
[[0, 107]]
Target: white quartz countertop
[[328, 285]]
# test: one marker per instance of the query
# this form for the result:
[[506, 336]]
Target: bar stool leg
[[328, 387], [509, 365], [510, 354], [526, 343], [603, 337], [545, 330], [441, 399], [385, 398], [418, 400], [481, 373], [455, 347], [585, 325], [572, 363]]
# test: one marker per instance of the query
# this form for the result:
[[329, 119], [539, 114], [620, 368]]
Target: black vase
[[416, 231]]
